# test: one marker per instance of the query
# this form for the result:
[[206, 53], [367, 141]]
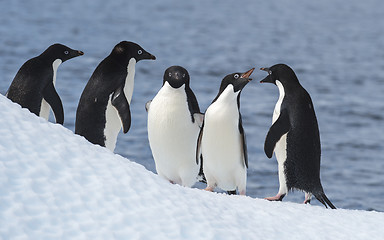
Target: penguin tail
[[324, 200]]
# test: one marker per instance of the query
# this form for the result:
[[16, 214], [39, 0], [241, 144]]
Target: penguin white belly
[[44, 107], [112, 126], [172, 136], [281, 145], [113, 123], [221, 147]]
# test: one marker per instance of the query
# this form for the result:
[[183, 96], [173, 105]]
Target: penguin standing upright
[[103, 108], [34, 84], [174, 122], [294, 137], [222, 140]]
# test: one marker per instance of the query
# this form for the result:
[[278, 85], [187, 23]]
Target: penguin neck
[[129, 80], [228, 96], [55, 65]]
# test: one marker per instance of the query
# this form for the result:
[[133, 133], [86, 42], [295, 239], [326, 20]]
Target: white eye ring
[[236, 76], [66, 52], [170, 74], [184, 75], [140, 52]]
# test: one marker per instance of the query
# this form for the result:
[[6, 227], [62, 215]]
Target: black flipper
[[193, 105], [243, 141], [201, 172], [198, 146], [120, 102], [277, 130], [324, 200], [50, 95]]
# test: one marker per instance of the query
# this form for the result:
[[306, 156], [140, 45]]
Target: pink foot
[[209, 189], [278, 197]]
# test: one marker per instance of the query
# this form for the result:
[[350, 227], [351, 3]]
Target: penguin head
[[124, 51], [280, 72], [60, 51], [238, 80], [176, 76]]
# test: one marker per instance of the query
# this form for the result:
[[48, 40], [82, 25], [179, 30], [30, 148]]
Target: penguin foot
[[278, 197], [308, 197], [209, 189]]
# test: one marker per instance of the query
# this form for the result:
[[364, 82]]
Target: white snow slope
[[56, 185]]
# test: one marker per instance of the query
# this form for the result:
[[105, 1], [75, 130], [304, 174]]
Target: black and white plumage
[[34, 84], [103, 108], [174, 122], [222, 141], [294, 137]]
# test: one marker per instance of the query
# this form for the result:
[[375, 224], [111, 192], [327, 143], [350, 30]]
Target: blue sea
[[336, 48]]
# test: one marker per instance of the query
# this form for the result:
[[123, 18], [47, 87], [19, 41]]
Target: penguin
[[222, 141], [104, 105], [294, 137], [34, 84], [174, 121]]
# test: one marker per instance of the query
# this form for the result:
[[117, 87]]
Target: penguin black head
[[125, 50], [60, 51], [176, 76], [238, 80], [280, 72]]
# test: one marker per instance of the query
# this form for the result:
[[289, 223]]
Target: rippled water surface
[[335, 47]]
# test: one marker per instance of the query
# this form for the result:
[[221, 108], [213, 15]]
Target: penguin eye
[[236, 76], [170, 74], [66, 52], [139, 52], [184, 75], [269, 72]]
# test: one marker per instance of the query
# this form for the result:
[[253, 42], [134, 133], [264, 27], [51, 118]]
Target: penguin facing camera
[[174, 122], [222, 141], [34, 84], [294, 137], [104, 106]]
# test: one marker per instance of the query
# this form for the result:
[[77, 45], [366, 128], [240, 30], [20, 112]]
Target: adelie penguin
[[294, 137], [174, 122], [104, 106], [222, 141], [34, 84]]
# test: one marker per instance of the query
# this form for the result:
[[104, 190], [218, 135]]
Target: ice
[[56, 185]]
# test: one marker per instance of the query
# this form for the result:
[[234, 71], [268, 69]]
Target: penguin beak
[[149, 56], [267, 79], [152, 57], [247, 74], [80, 53]]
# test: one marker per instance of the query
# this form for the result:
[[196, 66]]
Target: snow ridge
[[56, 185]]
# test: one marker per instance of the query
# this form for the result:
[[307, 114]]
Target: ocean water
[[335, 47]]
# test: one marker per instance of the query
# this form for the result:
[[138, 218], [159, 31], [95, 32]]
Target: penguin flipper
[[243, 142], [50, 95], [120, 102], [198, 146], [277, 130], [193, 105]]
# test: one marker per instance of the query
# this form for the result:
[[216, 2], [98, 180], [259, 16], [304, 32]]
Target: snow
[[56, 185]]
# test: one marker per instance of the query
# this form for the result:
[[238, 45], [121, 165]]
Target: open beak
[[247, 74], [267, 78]]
